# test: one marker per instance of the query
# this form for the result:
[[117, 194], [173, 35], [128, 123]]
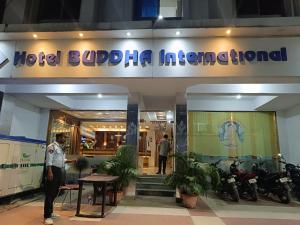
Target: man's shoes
[[54, 216], [48, 221], [158, 172]]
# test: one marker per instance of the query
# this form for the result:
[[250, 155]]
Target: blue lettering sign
[[115, 57], [20, 58], [102, 56], [262, 56], [181, 57], [74, 57], [171, 56], [223, 58], [31, 59], [146, 56], [233, 56], [250, 55], [133, 56], [192, 57], [88, 58], [210, 57], [162, 57]]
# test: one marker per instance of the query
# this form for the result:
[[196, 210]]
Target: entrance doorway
[[153, 126]]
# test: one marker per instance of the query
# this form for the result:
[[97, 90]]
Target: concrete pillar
[[6, 114], [132, 131], [88, 11], [181, 128], [115, 10], [14, 12], [43, 124], [288, 9], [296, 6], [1, 100]]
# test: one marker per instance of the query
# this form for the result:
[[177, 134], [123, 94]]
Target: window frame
[[61, 14], [259, 14], [138, 18], [2, 9]]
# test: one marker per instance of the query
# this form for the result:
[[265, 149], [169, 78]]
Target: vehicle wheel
[[235, 194], [285, 196], [254, 193]]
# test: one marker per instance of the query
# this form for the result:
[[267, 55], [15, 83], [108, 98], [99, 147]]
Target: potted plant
[[124, 166], [192, 177]]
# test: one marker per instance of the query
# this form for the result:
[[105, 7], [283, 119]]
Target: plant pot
[[178, 196], [130, 189], [120, 196], [189, 201]]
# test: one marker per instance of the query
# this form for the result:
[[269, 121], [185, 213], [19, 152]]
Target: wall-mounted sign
[[115, 57], [136, 58]]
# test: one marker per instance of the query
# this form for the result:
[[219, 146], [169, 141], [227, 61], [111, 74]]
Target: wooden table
[[99, 180]]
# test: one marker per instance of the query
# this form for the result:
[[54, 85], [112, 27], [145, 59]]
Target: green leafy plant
[[122, 165], [192, 177]]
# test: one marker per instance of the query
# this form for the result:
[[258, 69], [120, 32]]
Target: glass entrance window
[[89, 133], [153, 126]]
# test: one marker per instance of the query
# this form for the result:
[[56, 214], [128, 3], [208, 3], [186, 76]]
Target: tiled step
[[154, 179], [156, 192], [151, 185]]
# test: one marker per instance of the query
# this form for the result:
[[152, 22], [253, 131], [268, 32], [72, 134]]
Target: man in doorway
[[55, 163], [164, 148]]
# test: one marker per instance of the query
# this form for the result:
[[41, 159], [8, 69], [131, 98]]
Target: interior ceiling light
[[178, 33], [34, 36], [228, 31], [160, 17], [80, 34], [99, 95], [238, 96], [128, 34]]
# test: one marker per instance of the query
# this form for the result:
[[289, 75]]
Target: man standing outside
[[164, 148], [55, 163]]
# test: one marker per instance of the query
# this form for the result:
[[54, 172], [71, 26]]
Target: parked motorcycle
[[293, 172], [227, 186], [274, 183], [246, 181]]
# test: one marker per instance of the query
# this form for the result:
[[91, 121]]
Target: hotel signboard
[[185, 57]]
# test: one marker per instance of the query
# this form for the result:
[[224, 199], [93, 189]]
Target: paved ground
[[164, 211]]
